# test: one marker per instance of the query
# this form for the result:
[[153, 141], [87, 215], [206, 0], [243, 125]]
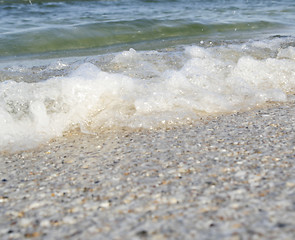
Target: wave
[[122, 33], [142, 89]]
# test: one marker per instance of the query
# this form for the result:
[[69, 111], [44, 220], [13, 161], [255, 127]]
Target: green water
[[74, 28]]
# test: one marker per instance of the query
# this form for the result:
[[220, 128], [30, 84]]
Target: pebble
[[45, 223], [105, 204], [69, 220], [25, 222]]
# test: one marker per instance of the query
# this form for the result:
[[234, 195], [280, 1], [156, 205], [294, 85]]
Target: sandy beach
[[227, 177], [211, 84]]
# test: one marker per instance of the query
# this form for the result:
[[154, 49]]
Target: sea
[[90, 65]]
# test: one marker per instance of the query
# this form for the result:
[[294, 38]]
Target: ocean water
[[94, 65]]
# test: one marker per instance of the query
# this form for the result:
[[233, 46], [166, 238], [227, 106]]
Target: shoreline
[[227, 177]]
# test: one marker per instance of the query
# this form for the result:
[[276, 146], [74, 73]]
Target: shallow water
[[70, 28], [102, 64]]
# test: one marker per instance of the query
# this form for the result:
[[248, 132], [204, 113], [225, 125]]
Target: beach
[[223, 177], [139, 119]]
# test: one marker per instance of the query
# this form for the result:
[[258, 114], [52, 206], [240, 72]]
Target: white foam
[[143, 89]]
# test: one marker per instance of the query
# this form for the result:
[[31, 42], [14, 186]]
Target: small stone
[[69, 161], [36, 204], [45, 223], [173, 200], [105, 204], [25, 222], [20, 214], [3, 199], [290, 183], [142, 233], [32, 235], [240, 174], [281, 225], [69, 220], [182, 170], [237, 225]]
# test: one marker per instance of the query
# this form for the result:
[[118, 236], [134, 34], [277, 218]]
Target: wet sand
[[228, 177]]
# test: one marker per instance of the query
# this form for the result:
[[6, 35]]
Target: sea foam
[[145, 89]]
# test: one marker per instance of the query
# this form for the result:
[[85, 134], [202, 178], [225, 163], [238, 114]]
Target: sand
[[225, 177]]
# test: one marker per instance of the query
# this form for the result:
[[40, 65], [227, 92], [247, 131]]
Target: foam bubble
[[144, 89]]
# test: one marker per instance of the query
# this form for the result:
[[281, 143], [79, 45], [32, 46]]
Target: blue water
[[95, 65]]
